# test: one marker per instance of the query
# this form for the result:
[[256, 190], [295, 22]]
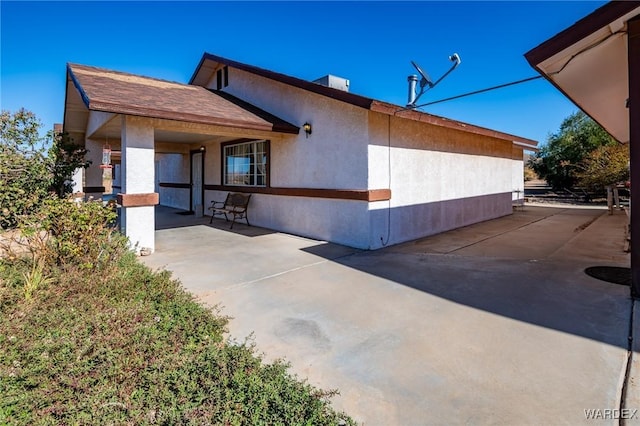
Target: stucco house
[[320, 161]]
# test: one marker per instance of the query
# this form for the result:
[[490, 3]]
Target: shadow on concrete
[[170, 218], [550, 290]]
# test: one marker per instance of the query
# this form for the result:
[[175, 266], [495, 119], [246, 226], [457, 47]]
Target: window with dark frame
[[245, 163], [222, 78]]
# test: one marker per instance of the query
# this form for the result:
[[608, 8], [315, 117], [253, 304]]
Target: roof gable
[[210, 63]]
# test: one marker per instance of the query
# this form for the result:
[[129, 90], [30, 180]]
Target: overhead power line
[[513, 83]]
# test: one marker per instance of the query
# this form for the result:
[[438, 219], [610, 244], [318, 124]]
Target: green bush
[[102, 339], [559, 160], [606, 165], [24, 168], [32, 166], [63, 232], [82, 234]]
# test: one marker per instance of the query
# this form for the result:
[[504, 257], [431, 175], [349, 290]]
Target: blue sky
[[370, 43]]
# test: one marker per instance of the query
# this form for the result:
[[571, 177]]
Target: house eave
[[587, 63]]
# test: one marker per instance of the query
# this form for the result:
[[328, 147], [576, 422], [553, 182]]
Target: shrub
[[89, 335], [529, 174], [62, 232], [135, 348], [66, 157], [24, 168], [28, 171], [606, 165]]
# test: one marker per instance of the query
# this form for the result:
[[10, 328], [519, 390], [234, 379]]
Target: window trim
[[223, 162]]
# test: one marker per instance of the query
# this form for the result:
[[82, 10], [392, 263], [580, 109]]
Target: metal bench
[[235, 205]]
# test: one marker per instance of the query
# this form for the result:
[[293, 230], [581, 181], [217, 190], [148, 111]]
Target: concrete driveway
[[496, 323]]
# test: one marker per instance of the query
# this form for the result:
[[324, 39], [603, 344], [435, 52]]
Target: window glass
[[245, 164]]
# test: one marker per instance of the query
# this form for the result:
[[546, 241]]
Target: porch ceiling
[[111, 130], [588, 62]]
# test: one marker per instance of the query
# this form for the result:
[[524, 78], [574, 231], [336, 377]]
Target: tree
[[25, 175], [28, 171], [66, 156], [559, 161], [606, 165]]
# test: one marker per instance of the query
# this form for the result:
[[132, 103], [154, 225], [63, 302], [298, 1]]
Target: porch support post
[[138, 197], [93, 186], [633, 27]]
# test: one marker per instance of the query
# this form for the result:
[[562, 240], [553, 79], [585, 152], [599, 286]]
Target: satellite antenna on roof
[[425, 81]]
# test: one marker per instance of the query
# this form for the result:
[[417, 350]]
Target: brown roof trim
[[77, 85], [360, 101], [279, 125], [396, 111], [600, 18], [330, 92]]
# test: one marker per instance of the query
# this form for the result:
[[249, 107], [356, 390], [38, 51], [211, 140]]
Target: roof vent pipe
[[413, 81]]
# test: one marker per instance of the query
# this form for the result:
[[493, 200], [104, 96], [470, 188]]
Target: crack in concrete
[[505, 232], [278, 274]]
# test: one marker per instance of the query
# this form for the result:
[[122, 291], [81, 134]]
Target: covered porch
[[167, 138]]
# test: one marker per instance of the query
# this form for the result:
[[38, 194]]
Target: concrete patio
[[493, 323]]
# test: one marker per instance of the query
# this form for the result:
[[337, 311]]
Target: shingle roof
[[361, 101], [123, 93]]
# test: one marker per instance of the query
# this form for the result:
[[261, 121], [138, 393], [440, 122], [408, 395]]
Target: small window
[[246, 163], [222, 78]]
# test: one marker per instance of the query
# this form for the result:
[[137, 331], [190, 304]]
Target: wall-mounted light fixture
[[202, 148], [307, 128]]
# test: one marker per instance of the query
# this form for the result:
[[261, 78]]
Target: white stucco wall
[[331, 157], [334, 156], [439, 178], [76, 180], [93, 173], [518, 173], [339, 221], [137, 142], [96, 120], [517, 167], [173, 168]]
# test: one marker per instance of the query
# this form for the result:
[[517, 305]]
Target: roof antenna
[[425, 81]]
